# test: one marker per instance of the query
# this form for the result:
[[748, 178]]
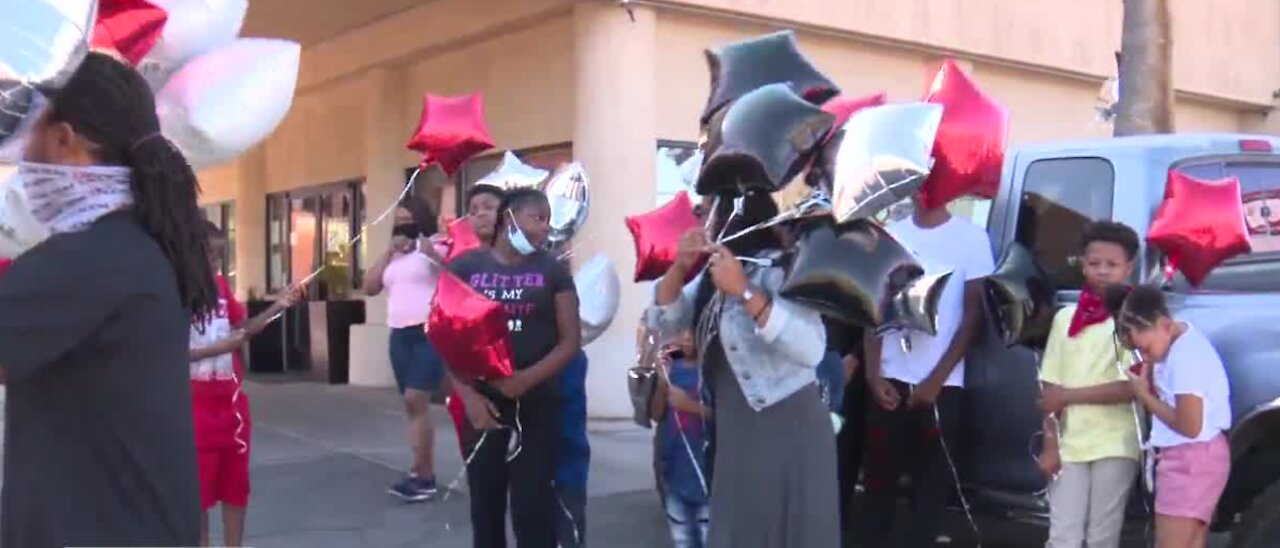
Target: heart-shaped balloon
[[568, 191], [657, 236], [512, 173], [130, 28], [882, 159], [228, 100], [741, 67], [193, 28], [761, 142], [1020, 299], [915, 307], [598, 293], [42, 44], [850, 272], [469, 331], [969, 149], [451, 130], [1200, 224]]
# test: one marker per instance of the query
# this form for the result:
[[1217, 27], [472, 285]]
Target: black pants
[[909, 440], [851, 445], [529, 478]]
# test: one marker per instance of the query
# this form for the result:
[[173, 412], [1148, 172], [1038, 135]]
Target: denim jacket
[[770, 362]]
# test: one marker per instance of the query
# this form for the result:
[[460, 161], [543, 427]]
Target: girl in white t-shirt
[[1183, 384]]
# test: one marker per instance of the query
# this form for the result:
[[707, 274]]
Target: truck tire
[[1259, 526]]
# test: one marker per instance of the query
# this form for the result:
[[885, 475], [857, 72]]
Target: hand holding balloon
[[886, 395], [727, 273], [693, 245]]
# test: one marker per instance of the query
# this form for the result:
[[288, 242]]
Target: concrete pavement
[[323, 457]]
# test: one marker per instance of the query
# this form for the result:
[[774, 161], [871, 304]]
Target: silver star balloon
[[42, 42]]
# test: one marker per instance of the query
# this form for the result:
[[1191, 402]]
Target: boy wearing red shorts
[[220, 408]]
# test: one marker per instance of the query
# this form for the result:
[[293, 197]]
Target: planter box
[[281, 346], [329, 325]]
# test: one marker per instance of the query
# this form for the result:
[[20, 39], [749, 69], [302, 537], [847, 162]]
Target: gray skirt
[[774, 481]]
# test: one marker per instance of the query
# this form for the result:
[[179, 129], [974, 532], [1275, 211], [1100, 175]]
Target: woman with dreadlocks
[[99, 448], [758, 352]]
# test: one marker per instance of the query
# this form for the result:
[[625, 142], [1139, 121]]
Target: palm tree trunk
[[1146, 69]]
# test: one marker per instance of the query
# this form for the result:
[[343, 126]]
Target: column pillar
[[614, 136], [384, 179], [251, 222], [1265, 123]]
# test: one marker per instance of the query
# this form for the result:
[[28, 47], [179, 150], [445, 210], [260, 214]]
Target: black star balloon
[[760, 142], [741, 67], [850, 272], [916, 306], [1020, 299]]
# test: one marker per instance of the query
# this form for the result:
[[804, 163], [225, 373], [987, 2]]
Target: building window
[[1060, 198], [310, 230], [671, 173], [432, 182], [1260, 191], [223, 215]]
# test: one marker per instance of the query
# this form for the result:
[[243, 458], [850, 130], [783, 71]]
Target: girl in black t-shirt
[[542, 310]]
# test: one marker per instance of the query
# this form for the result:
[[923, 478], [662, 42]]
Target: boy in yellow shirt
[[1091, 441]]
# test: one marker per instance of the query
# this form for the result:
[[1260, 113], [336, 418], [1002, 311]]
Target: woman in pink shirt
[[408, 271]]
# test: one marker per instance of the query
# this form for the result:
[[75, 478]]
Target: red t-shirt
[[221, 409], [4, 265]]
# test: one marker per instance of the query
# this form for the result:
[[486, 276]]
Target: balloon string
[[955, 474], [688, 447], [573, 522], [517, 441], [818, 202], [364, 229]]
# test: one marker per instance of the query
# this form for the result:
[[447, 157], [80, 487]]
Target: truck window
[[1260, 191], [1060, 197]]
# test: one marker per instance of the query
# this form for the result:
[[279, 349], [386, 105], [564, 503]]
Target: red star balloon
[[844, 107], [1199, 225], [969, 149], [657, 236], [451, 130], [128, 27], [462, 238], [469, 331]]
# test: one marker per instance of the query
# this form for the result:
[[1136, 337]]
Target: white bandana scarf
[[42, 199]]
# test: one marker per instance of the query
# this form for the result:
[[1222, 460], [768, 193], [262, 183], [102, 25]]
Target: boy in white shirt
[[915, 380]]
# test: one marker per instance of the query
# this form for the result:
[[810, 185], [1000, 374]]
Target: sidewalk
[[323, 457]]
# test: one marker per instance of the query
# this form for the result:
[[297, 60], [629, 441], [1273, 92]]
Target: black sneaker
[[414, 489]]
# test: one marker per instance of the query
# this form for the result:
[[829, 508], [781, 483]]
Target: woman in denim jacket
[[774, 450]]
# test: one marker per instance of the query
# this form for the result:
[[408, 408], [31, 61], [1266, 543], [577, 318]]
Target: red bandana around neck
[[1091, 310]]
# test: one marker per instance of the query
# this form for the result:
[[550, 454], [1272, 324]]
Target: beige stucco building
[[606, 84]]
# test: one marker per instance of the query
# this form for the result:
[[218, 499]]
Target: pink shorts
[[1190, 478]]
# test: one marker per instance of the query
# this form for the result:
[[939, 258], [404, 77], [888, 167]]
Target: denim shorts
[[414, 360]]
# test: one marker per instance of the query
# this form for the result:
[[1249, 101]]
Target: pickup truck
[[1048, 194]]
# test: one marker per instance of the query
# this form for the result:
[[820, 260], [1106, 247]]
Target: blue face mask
[[518, 240]]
